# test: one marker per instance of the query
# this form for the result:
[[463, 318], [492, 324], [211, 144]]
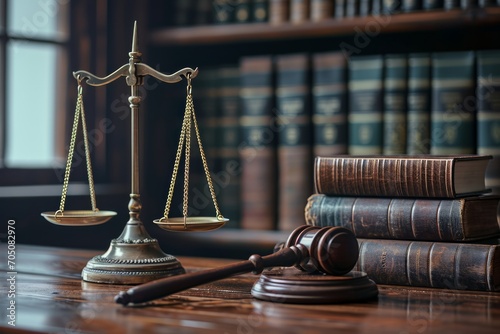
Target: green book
[[227, 178], [260, 11], [419, 103], [453, 105], [329, 94], [365, 113], [488, 112], [258, 144], [294, 137], [206, 91], [395, 86]]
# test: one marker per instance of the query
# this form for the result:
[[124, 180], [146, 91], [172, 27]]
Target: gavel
[[330, 250]]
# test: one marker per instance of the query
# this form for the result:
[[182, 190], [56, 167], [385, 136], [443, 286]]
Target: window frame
[[18, 176]]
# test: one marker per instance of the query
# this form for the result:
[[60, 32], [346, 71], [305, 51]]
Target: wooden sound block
[[290, 285]]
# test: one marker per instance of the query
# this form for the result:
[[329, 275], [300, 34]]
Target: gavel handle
[[166, 286]]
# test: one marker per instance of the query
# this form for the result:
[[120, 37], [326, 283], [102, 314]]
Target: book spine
[[223, 11], [321, 10], [377, 7], [206, 95], [329, 95], [487, 3], [459, 266], [258, 146], [432, 4], [203, 14], [227, 178], [294, 132], [365, 114], [488, 113], [260, 11], [391, 6], [454, 4], [352, 8], [340, 8], [453, 109], [351, 176], [299, 11], [279, 11], [242, 11], [395, 86], [405, 219], [365, 7], [408, 6], [419, 104], [466, 4]]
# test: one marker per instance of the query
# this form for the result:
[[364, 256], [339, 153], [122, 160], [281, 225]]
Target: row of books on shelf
[[425, 221], [203, 12], [264, 119]]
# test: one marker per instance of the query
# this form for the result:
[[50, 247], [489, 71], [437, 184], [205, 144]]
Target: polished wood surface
[[51, 298]]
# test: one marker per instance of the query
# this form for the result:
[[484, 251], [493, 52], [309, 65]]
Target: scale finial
[[134, 38]]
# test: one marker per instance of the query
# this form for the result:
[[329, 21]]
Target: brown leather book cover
[[258, 144], [445, 265], [294, 138], [454, 220], [401, 176]]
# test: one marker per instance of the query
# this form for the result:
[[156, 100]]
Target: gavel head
[[332, 250]]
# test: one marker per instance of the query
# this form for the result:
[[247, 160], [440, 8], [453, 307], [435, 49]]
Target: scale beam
[[141, 70]]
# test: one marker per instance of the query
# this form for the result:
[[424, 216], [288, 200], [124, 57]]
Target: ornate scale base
[[133, 258], [290, 285], [131, 263]]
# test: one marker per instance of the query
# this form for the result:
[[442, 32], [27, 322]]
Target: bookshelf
[[257, 32], [218, 45]]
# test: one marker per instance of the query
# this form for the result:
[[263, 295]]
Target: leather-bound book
[[294, 136], [206, 95], [432, 4], [488, 112], [260, 11], [395, 93], [279, 11], [401, 176], [329, 96], [365, 115], [299, 11], [258, 144], [339, 11], [454, 220], [419, 103], [321, 10], [453, 105], [408, 6], [227, 178], [445, 265]]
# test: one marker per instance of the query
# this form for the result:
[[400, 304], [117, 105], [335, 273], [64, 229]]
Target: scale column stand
[[134, 257]]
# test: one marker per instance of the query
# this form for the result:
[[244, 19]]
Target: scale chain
[[205, 164], [185, 139], [178, 156], [79, 112]]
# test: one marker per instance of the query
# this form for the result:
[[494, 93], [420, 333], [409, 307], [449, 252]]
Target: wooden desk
[[51, 298]]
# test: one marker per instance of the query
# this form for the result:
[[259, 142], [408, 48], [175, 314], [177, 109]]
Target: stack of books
[[423, 221]]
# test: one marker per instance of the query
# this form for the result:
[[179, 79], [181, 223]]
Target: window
[[33, 72]]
